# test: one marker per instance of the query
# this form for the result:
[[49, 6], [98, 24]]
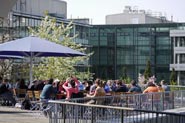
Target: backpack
[[26, 104]]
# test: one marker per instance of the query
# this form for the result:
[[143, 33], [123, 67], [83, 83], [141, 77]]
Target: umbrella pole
[[31, 64]]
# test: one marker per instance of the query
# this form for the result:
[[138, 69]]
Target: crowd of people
[[72, 87]]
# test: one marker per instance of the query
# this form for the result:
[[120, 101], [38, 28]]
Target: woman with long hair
[[71, 86]]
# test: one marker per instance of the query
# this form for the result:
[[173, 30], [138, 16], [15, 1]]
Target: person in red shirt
[[71, 86]]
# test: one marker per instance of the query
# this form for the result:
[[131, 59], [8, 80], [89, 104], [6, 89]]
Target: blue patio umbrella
[[36, 47], [10, 57]]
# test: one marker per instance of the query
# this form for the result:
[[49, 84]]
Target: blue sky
[[96, 10]]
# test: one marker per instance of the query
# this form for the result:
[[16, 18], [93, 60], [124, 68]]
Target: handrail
[[149, 101], [176, 86], [60, 111], [90, 105], [115, 107]]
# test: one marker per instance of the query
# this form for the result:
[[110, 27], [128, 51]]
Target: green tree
[[124, 73], [173, 78], [5, 68], [124, 76], [148, 73], [6, 64], [58, 67]]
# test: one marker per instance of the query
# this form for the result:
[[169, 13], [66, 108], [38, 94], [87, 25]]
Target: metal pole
[[55, 114], [31, 64], [122, 116], [92, 115]]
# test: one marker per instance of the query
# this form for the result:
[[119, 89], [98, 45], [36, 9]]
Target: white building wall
[[125, 18], [178, 51], [134, 16]]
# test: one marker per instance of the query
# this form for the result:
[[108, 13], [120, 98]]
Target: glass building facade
[[18, 24], [129, 47]]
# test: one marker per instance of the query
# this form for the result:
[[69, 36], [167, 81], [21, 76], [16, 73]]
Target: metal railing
[[150, 101], [70, 112], [176, 87]]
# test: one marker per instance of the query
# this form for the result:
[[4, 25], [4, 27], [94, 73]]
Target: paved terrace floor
[[15, 115]]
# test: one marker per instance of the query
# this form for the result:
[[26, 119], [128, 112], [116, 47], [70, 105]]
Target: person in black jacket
[[6, 94], [120, 87]]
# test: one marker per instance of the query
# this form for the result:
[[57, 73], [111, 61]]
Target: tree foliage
[[148, 73], [6, 64], [173, 78], [5, 67], [58, 67], [124, 76]]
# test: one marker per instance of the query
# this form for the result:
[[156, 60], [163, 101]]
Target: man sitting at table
[[6, 94], [48, 91], [134, 87], [120, 86]]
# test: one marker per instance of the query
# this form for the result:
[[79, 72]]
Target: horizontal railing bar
[[177, 86], [91, 105], [159, 112]]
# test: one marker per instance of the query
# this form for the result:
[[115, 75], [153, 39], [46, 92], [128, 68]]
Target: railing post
[[181, 99], [152, 102], [92, 115], [63, 113], [157, 115], [122, 116], [173, 100], [55, 113], [163, 100]]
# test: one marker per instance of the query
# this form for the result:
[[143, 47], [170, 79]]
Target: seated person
[[71, 86], [106, 87], [89, 83], [6, 94], [48, 91], [22, 84], [99, 91], [164, 85], [120, 87], [154, 97], [92, 89], [160, 88], [134, 87], [151, 88], [40, 85]]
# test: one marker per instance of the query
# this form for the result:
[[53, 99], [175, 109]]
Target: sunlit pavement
[[15, 115]]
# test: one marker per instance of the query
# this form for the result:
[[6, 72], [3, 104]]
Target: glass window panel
[[162, 59], [182, 41], [103, 56], [163, 40], [182, 58]]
